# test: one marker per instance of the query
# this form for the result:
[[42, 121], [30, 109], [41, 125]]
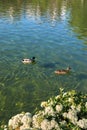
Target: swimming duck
[[28, 61], [64, 71]]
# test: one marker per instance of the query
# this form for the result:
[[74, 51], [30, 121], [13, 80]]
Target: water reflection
[[33, 10], [53, 10], [79, 18]]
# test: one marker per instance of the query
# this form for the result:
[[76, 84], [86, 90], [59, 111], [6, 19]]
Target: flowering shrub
[[67, 111]]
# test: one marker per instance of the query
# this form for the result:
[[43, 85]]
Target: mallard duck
[[64, 71], [28, 61]]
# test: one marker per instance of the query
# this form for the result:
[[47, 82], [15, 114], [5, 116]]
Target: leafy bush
[[66, 111]]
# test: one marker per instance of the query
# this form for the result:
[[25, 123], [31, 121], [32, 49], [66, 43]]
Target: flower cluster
[[66, 111], [22, 121]]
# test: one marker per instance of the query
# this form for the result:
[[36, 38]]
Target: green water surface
[[55, 32]]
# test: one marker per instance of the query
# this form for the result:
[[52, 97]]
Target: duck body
[[63, 71], [28, 61]]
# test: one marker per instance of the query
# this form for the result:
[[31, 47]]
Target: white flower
[[54, 125], [20, 120], [59, 108], [73, 107], [51, 102], [78, 108], [24, 127], [10, 123], [37, 119], [5, 127], [49, 125], [86, 105], [70, 100], [63, 123], [64, 94], [57, 97], [49, 111], [45, 124], [43, 104], [27, 119], [65, 114], [82, 123], [72, 115], [15, 121]]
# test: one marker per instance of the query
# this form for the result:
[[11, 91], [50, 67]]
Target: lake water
[[55, 32]]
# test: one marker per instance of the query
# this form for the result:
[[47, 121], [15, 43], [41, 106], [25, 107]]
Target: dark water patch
[[82, 76], [49, 65]]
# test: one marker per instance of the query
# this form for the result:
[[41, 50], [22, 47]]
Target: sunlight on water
[[52, 32]]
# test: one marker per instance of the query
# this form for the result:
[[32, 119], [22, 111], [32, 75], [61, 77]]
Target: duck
[[63, 71], [28, 61]]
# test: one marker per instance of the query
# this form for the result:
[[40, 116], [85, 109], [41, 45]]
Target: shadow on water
[[50, 65], [82, 76]]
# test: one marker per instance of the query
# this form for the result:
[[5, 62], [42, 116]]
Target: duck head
[[68, 68], [33, 59]]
